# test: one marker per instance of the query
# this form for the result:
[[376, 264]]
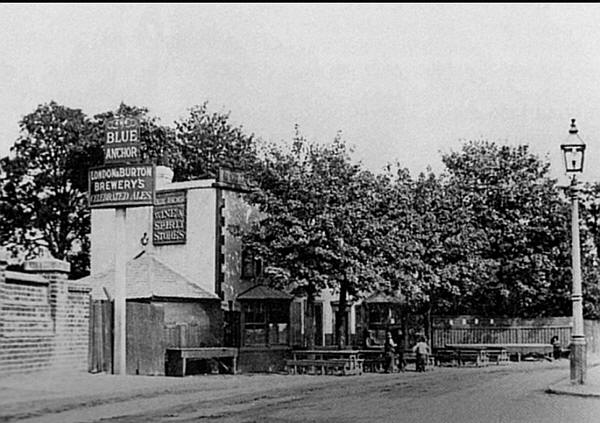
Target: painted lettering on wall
[[169, 218]]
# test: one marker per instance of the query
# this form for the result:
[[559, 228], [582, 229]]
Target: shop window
[[255, 321], [378, 314], [266, 323]]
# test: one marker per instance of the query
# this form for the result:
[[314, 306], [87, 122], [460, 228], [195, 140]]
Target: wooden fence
[[500, 335], [592, 336], [100, 351], [510, 331]]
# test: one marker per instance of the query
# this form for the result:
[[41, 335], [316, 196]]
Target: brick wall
[[77, 327], [44, 318]]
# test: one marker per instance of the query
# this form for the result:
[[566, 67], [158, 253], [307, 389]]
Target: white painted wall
[[327, 297], [194, 259]]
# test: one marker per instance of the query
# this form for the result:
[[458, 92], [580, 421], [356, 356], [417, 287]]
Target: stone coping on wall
[[200, 183], [79, 287], [47, 264], [25, 278]]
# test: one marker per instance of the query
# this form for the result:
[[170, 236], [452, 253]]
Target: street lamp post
[[573, 151]]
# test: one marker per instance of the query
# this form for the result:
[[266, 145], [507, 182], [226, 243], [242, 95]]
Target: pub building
[[182, 259]]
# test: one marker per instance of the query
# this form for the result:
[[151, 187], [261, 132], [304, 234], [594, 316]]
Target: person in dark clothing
[[400, 350], [556, 347], [390, 352]]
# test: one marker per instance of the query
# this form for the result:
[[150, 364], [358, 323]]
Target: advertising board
[[124, 185], [169, 218], [122, 143]]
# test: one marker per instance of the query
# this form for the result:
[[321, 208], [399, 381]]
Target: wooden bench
[[346, 362], [410, 357], [446, 356], [328, 366], [498, 355], [176, 359], [516, 351], [478, 357], [374, 359], [374, 364]]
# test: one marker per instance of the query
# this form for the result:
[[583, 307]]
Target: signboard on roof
[[122, 141], [169, 218]]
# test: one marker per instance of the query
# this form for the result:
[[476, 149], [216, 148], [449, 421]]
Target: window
[[266, 323], [251, 265], [378, 313], [279, 315], [255, 320]]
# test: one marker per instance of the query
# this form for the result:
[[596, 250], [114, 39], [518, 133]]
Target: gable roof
[[263, 292], [149, 277]]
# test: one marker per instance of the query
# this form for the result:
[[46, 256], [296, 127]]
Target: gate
[[100, 354], [231, 330], [145, 340]]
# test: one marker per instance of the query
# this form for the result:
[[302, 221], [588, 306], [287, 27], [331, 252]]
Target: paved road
[[507, 394]]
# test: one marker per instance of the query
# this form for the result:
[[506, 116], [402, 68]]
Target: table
[[346, 362], [177, 358], [374, 359]]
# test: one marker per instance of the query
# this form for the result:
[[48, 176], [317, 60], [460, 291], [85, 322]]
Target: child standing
[[421, 349]]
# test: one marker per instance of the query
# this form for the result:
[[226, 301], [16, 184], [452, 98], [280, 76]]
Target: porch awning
[[263, 292]]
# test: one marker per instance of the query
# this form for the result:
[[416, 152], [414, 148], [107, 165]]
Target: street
[[514, 393]]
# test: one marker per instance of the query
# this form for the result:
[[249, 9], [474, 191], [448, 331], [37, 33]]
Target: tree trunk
[[340, 321], [428, 324], [309, 322]]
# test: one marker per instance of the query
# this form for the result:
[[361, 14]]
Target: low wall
[[44, 319]]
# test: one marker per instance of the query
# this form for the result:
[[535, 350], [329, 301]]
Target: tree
[[317, 227], [509, 253], [590, 243], [43, 203], [208, 141]]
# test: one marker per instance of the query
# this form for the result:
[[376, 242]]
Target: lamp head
[[573, 150]]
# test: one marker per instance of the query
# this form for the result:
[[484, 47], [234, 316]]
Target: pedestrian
[[399, 339], [421, 350], [390, 352], [556, 347]]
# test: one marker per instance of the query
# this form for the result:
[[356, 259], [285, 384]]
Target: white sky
[[401, 81]]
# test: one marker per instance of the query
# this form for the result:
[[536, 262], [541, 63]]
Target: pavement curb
[[559, 391], [565, 388]]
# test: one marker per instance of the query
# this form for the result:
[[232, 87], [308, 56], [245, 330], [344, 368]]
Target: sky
[[402, 82]]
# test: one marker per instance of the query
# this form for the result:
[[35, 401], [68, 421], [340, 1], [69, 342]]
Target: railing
[[500, 335]]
